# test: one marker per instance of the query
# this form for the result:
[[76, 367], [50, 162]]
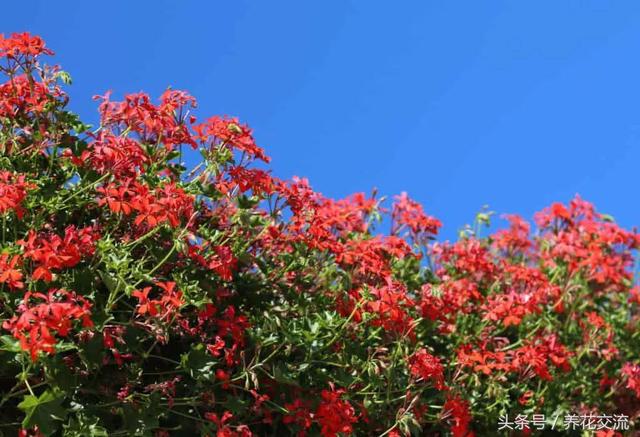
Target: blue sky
[[461, 104]]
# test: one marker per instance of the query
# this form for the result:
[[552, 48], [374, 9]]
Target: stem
[[346, 322], [85, 188], [170, 253], [142, 238], [13, 393], [54, 152], [169, 360], [197, 419]]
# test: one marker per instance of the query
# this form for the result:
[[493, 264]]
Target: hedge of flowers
[[140, 297]]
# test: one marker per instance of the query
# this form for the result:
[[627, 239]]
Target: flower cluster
[[13, 191], [141, 297], [35, 325]]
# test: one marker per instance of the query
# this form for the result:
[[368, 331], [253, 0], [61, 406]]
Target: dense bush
[[139, 297]]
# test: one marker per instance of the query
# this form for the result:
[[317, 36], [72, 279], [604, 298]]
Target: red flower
[[22, 44], [152, 123], [9, 274], [514, 240], [51, 252], [214, 349], [168, 203], [525, 397], [36, 324], [33, 432], [631, 372], [13, 191], [144, 304], [390, 305], [458, 411], [166, 307], [470, 257], [108, 153], [335, 415], [409, 213], [586, 242], [224, 430], [298, 414], [228, 132], [233, 325], [223, 262], [425, 366]]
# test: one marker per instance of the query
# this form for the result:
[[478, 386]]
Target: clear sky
[[514, 104]]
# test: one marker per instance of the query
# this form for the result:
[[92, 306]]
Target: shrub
[[140, 297]]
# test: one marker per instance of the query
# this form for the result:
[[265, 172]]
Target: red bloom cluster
[[37, 323], [155, 124], [108, 153], [22, 44], [13, 191], [50, 252], [586, 243], [166, 307], [335, 415], [631, 373], [457, 410], [409, 213], [168, 203], [224, 301], [21, 96], [299, 414], [514, 240], [531, 359], [389, 307], [443, 302], [10, 274], [219, 259], [425, 366], [228, 132], [225, 429], [527, 290], [468, 258]]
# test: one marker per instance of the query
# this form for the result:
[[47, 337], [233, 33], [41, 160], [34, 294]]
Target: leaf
[[43, 411], [235, 404], [60, 375], [282, 376], [199, 363], [92, 352], [141, 420], [108, 280], [64, 77], [607, 218], [10, 344], [84, 426]]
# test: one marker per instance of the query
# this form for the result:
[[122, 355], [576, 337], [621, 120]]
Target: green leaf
[[141, 420], [607, 218], [281, 375], [85, 427], [199, 363], [92, 352], [64, 77], [10, 344], [43, 411], [60, 375], [108, 280]]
